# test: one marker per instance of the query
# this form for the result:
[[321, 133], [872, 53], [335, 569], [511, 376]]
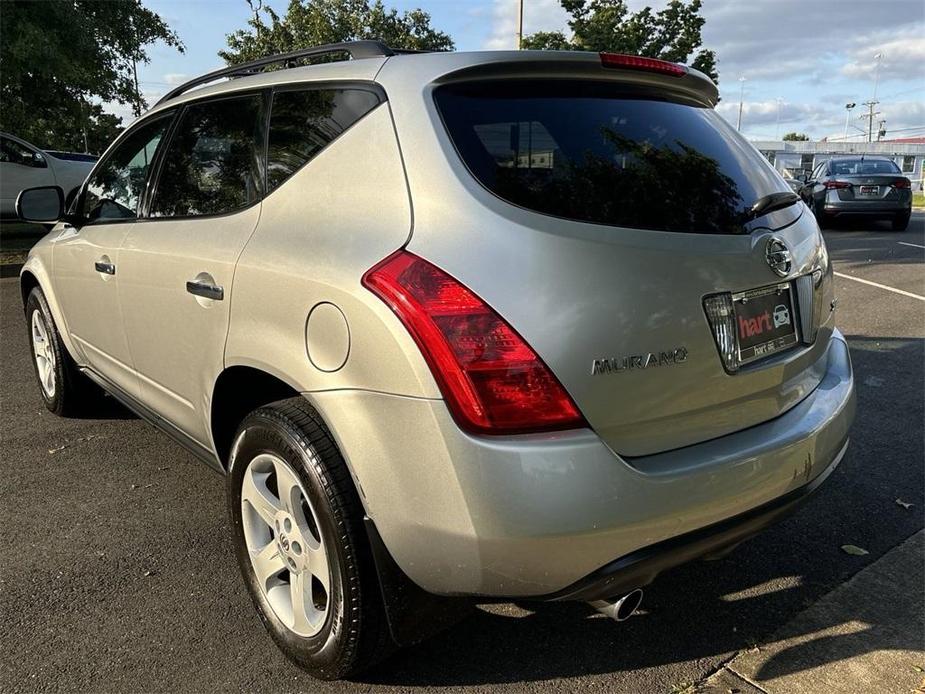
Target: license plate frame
[[765, 333], [869, 191]]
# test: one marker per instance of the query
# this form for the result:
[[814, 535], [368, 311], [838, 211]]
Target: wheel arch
[[34, 275], [239, 390], [27, 282]]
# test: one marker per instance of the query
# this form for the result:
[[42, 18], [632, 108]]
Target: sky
[[802, 60]]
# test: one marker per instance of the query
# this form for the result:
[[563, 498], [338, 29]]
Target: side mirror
[[38, 160], [40, 205]]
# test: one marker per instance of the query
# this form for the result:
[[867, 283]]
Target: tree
[[313, 22], [796, 137], [673, 33], [60, 58]]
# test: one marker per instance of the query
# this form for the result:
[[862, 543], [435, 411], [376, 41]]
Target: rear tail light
[[831, 185], [635, 62], [723, 324], [493, 382], [902, 183]]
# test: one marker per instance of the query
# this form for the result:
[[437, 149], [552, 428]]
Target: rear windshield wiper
[[769, 203]]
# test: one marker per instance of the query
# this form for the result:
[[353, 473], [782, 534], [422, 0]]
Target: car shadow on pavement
[[104, 407]]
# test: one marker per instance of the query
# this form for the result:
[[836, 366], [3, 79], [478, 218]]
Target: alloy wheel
[[43, 353], [287, 552]]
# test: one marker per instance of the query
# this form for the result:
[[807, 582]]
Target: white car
[[23, 165]]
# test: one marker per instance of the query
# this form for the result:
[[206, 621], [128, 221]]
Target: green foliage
[[673, 33], [59, 57], [796, 137], [313, 22]]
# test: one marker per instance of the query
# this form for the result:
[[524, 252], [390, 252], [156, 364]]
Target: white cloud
[[759, 118], [903, 57], [173, 79], [792, 38]]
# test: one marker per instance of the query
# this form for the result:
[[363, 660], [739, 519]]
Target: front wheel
[[65, 391], [301, 544], [901, 222]]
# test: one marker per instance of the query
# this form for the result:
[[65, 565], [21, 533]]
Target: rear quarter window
[[603, 153], [305, 121]]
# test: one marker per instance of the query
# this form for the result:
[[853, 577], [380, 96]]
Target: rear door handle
[[204, 289], [105, 268]]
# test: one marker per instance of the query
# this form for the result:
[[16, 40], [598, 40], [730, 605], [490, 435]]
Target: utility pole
[[848, 108], [870, 118], [137, 105], [741, 100], [520, 26]]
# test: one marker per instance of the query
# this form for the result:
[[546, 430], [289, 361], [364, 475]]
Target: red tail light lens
[[902, 183], [493, 382], [832, 185], [635, 62]]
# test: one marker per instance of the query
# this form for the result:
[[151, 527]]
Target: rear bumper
[[541, 516], [882, 208], [640, 568]]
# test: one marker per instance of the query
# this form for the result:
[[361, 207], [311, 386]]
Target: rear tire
[[65, 390], [901, 222], [309, 525]]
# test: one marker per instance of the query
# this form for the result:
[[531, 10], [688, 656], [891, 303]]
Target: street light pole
[[848, 108], [741, 100], [879, 59]]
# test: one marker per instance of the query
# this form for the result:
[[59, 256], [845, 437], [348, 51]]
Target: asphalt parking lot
[[117, 571]]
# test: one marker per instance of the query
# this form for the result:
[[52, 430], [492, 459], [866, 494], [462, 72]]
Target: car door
[[86, 255], [176, 266], [21, 167]]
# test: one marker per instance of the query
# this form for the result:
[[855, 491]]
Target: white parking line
[[880, 286], [914, 245]]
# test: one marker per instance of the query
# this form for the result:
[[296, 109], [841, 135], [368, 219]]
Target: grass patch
[[918, 199]]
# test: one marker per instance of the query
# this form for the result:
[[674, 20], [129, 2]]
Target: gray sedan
[[864, 186]]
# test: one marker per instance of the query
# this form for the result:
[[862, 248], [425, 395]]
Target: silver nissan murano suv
[[456, 327]]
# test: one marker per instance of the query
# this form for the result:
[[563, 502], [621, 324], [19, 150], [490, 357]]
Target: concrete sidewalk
[[867, 635]]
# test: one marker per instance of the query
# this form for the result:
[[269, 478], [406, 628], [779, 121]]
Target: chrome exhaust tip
[[620, 609]]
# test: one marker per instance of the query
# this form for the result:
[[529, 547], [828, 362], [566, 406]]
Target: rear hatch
[[620, 211]]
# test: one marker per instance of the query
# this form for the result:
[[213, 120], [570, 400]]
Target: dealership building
[[796, 157]]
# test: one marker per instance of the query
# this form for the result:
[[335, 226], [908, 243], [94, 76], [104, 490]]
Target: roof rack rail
[[356, 49]]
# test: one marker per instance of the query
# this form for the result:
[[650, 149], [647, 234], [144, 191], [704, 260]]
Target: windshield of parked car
[[604, 153], [850, 167]]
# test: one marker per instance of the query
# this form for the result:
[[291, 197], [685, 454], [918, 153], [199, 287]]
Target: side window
[[303, 122], [213, 163], [12, 152], [115, 189]]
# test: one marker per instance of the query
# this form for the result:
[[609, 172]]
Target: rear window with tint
[[602, 153], [850, 167]]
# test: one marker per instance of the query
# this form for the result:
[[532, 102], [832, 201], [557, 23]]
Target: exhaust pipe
[[621, 609]]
